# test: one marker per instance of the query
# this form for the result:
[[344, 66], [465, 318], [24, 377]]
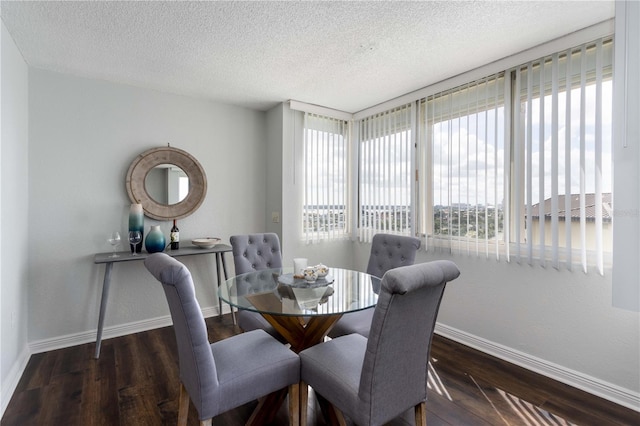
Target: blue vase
[[136, 223], [155, 241]]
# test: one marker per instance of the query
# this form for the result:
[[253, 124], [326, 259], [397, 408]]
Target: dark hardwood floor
[[135, 382]]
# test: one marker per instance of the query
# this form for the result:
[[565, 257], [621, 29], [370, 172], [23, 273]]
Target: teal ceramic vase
[[155, 241], [136, 223]]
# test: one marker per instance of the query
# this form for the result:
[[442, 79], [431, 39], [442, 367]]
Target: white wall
[[562, 323], [273, 182], [626, 154], [14, 228], [83, 135]]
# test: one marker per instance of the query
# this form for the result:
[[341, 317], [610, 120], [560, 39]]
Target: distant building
[[574, 219]]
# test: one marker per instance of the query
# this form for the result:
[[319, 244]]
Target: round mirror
[[168, 182]]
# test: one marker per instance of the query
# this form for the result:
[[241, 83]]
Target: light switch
[[275, 217]]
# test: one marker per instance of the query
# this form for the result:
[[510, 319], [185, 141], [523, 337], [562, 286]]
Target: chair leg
[[294, 405], [331, 414], [267, 408], [421, 414], [304, 401], [337, 416], [183, 406]]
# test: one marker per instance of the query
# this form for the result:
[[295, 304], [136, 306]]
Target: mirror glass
[[167, 184]]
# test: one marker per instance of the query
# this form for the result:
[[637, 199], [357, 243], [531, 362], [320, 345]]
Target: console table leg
[[226, 277], [219, 282], [219, 257], [224, 266], [103, 305]]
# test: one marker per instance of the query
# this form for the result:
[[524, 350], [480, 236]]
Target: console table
[[219, 251]]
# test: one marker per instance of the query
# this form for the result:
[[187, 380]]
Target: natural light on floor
[[527, 413]]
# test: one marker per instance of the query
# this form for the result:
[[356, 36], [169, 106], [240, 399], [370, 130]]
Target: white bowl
[[205, 243]]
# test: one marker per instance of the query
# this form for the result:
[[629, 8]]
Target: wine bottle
[[175, 236]]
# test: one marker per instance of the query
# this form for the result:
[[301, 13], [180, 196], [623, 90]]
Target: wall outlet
[[275, 217]]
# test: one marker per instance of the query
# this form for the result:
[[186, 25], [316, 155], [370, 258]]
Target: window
[[465, 154], [325, 198], [562, 157], [385, 173], [519, 163], [515, 166]]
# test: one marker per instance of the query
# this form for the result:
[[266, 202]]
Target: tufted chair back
[[226, 374], [396, 362], [387, 252], [391, 251], [198, 370], [255, 252], [374, 380]]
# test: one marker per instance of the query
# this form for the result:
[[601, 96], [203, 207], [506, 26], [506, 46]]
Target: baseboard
[[9, 385], [69, 340], [616, 394], [13, 378], [605, 390]]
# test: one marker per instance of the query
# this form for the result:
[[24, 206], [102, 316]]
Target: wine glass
[[114, 240], [134, 239]]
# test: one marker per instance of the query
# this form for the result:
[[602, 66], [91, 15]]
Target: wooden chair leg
[[183, 406], [267, 408], [304, 401], [421, 414], [331, 414], [294, 405], [337, 417]]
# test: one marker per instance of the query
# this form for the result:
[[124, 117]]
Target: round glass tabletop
[[277, 292]]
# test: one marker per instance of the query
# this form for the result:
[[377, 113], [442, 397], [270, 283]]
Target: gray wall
[[626, 154], [273, 182], [14, 204], [83, 136]]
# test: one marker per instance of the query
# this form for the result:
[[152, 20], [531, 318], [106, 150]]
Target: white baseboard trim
[[616, 394], [68, 340], [9, 385], [13, 378]]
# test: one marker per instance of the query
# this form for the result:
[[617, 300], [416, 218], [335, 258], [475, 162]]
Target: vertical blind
[[564, 106], [385, 173], [518, 164], [465, 162], [514, 166], [325, 195]]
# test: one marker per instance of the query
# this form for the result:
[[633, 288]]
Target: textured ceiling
[[342, 55]]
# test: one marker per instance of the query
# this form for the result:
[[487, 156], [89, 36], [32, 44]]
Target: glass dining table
[[301, 311]]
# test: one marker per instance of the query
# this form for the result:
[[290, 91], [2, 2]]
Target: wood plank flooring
[[135, 382]]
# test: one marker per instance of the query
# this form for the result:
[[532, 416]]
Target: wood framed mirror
[[179, 195]]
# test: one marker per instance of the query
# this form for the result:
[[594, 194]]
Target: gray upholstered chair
[[256, 252], [375, 380], [226, 374], [387, 252]]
